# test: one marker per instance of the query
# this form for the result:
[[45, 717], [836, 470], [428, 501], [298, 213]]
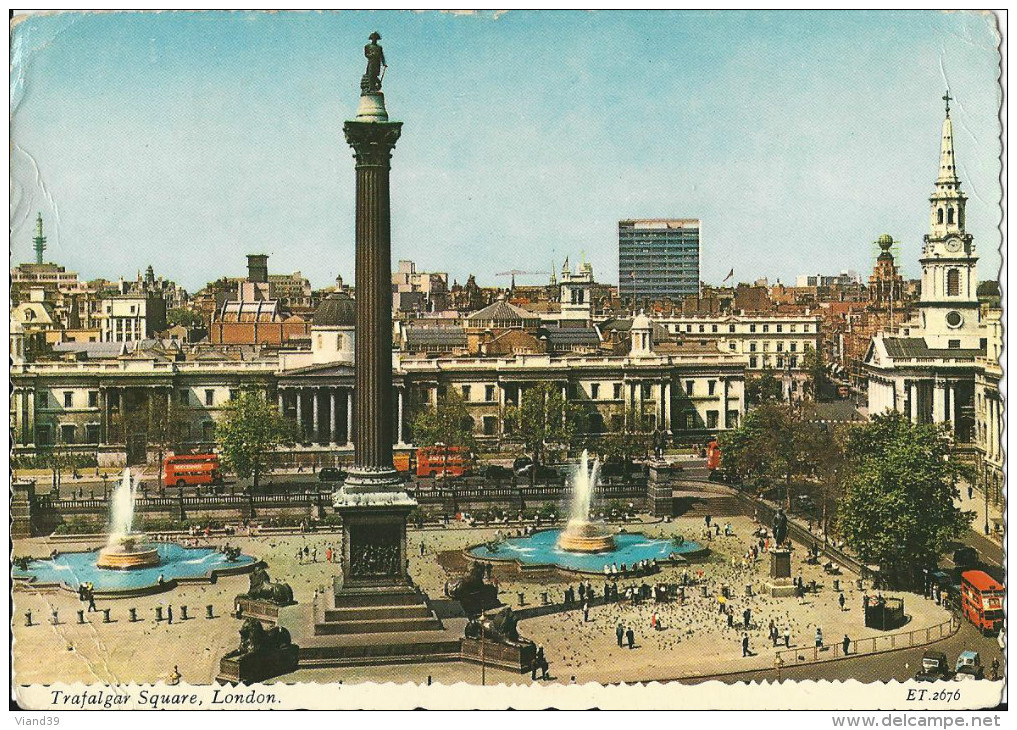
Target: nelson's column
[[373, 501]]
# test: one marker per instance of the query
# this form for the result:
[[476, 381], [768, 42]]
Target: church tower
[[948, 309]]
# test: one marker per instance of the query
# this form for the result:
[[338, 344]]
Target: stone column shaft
[[334, 418]]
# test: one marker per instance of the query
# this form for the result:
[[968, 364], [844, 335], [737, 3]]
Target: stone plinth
[[780, 564], [517, 658], [126, 553], [582, 536]]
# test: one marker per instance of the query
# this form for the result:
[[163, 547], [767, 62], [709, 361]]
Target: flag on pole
[[729, 275]]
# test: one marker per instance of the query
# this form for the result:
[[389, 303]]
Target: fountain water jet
[[125, 549], [580, 534]]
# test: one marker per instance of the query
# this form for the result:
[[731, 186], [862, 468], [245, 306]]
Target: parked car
[[934, 668], [331, 474], [969, 666], [541, 472], [520, 462], [496, 471]]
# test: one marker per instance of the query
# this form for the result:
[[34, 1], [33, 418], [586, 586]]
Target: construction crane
[[514, 272]]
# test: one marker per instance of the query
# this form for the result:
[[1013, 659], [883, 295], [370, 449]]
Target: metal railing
[[869, 645]]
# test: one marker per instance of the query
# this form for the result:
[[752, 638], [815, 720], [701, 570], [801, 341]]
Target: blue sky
[[187, 140]]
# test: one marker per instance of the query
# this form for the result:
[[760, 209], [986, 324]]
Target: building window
[[617, 391], [647, 390], [753, 362], [949, 215], [712, 418], [690, 386], [794, 347], [688, 328], [489, 393], [68, 399], [595, 391], [780, 347], [207, 431], [731, 346], [711, 386], [67, 433], [93, 399], [794, 361], [953, 283], [766, 328], [752, 328], [466, 392], [805, 328], [953, 344], [44, 435], [92, 433], [490, 425], [794, 328], [780, 328], [752, 347], [209, 397], [780, 362], [713, 328], [185, 397], [702, 328], [939, 216], [233, 394]]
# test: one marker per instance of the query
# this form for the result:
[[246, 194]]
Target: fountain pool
[[541, 548], [175, 563]]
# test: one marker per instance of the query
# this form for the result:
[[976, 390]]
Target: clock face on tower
[[953, 245]]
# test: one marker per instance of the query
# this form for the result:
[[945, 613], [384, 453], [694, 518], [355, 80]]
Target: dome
[[885, 241], [641, 322], [338, 310]]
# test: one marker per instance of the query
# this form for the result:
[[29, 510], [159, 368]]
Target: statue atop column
[[371, 83]]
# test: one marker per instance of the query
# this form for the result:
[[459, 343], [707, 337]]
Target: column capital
[[372, 142]]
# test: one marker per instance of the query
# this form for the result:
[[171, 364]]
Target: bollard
[[544, 599], [836, 584], [81, 616], [208, 611], [748, 589], [183, 613], [55, 618], [158, 613], [105, 615], [28, 618], [522, 599], [134, 614], [704, 591]]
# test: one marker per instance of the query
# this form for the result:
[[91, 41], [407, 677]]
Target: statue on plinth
[[779, 528], [371, 83], [501, 628], [263, 589], [474, 594]]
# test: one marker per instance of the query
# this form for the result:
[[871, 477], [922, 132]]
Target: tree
[[774, 440], [447, 424], [763, 388], [185, 317], [898, 511], [816, 382], [544, 421], [631, 439], [247, 429]]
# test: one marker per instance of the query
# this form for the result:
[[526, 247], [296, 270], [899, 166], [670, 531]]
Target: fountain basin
[[542, 549], [176, 565], [583, 536], [127, 552]]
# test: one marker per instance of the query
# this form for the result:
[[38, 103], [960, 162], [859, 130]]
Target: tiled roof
[[450, 336], [570, 335], [908, 347], [502, 311]]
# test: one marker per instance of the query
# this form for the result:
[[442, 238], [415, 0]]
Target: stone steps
[[376, 626]]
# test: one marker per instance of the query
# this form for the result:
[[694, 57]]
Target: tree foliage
[[185, 317], [630, 440], [774, 441], [544, 421], [448, 424], [247, 429], [816, 383], [898, 510], [763, 388]]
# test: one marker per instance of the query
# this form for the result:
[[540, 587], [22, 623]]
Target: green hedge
[[45, 461]]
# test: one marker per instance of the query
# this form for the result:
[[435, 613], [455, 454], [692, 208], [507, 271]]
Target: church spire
[[947, 166]]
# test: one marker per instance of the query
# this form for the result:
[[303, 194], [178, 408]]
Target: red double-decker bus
[[439, 460], [982, 600], [190, 469]]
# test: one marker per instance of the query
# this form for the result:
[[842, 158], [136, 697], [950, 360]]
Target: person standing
[[746, 617], [169, 614], [586, 612], [91, 600], [619, 632], [841, 601], [787, 638], [819, 638], [847, 644], [745, 645], [630, 636]]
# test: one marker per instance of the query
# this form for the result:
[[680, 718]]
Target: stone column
[[300, 414], [349, 416], [724, 385], [501, 407], [372, 142], [400, 419], [951, 405], [913, 405], [333, 417], [315, 432], [282, 409], [938, 394]]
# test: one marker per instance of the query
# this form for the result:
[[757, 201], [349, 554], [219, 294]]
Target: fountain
[[580, 534], [125, 550]]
